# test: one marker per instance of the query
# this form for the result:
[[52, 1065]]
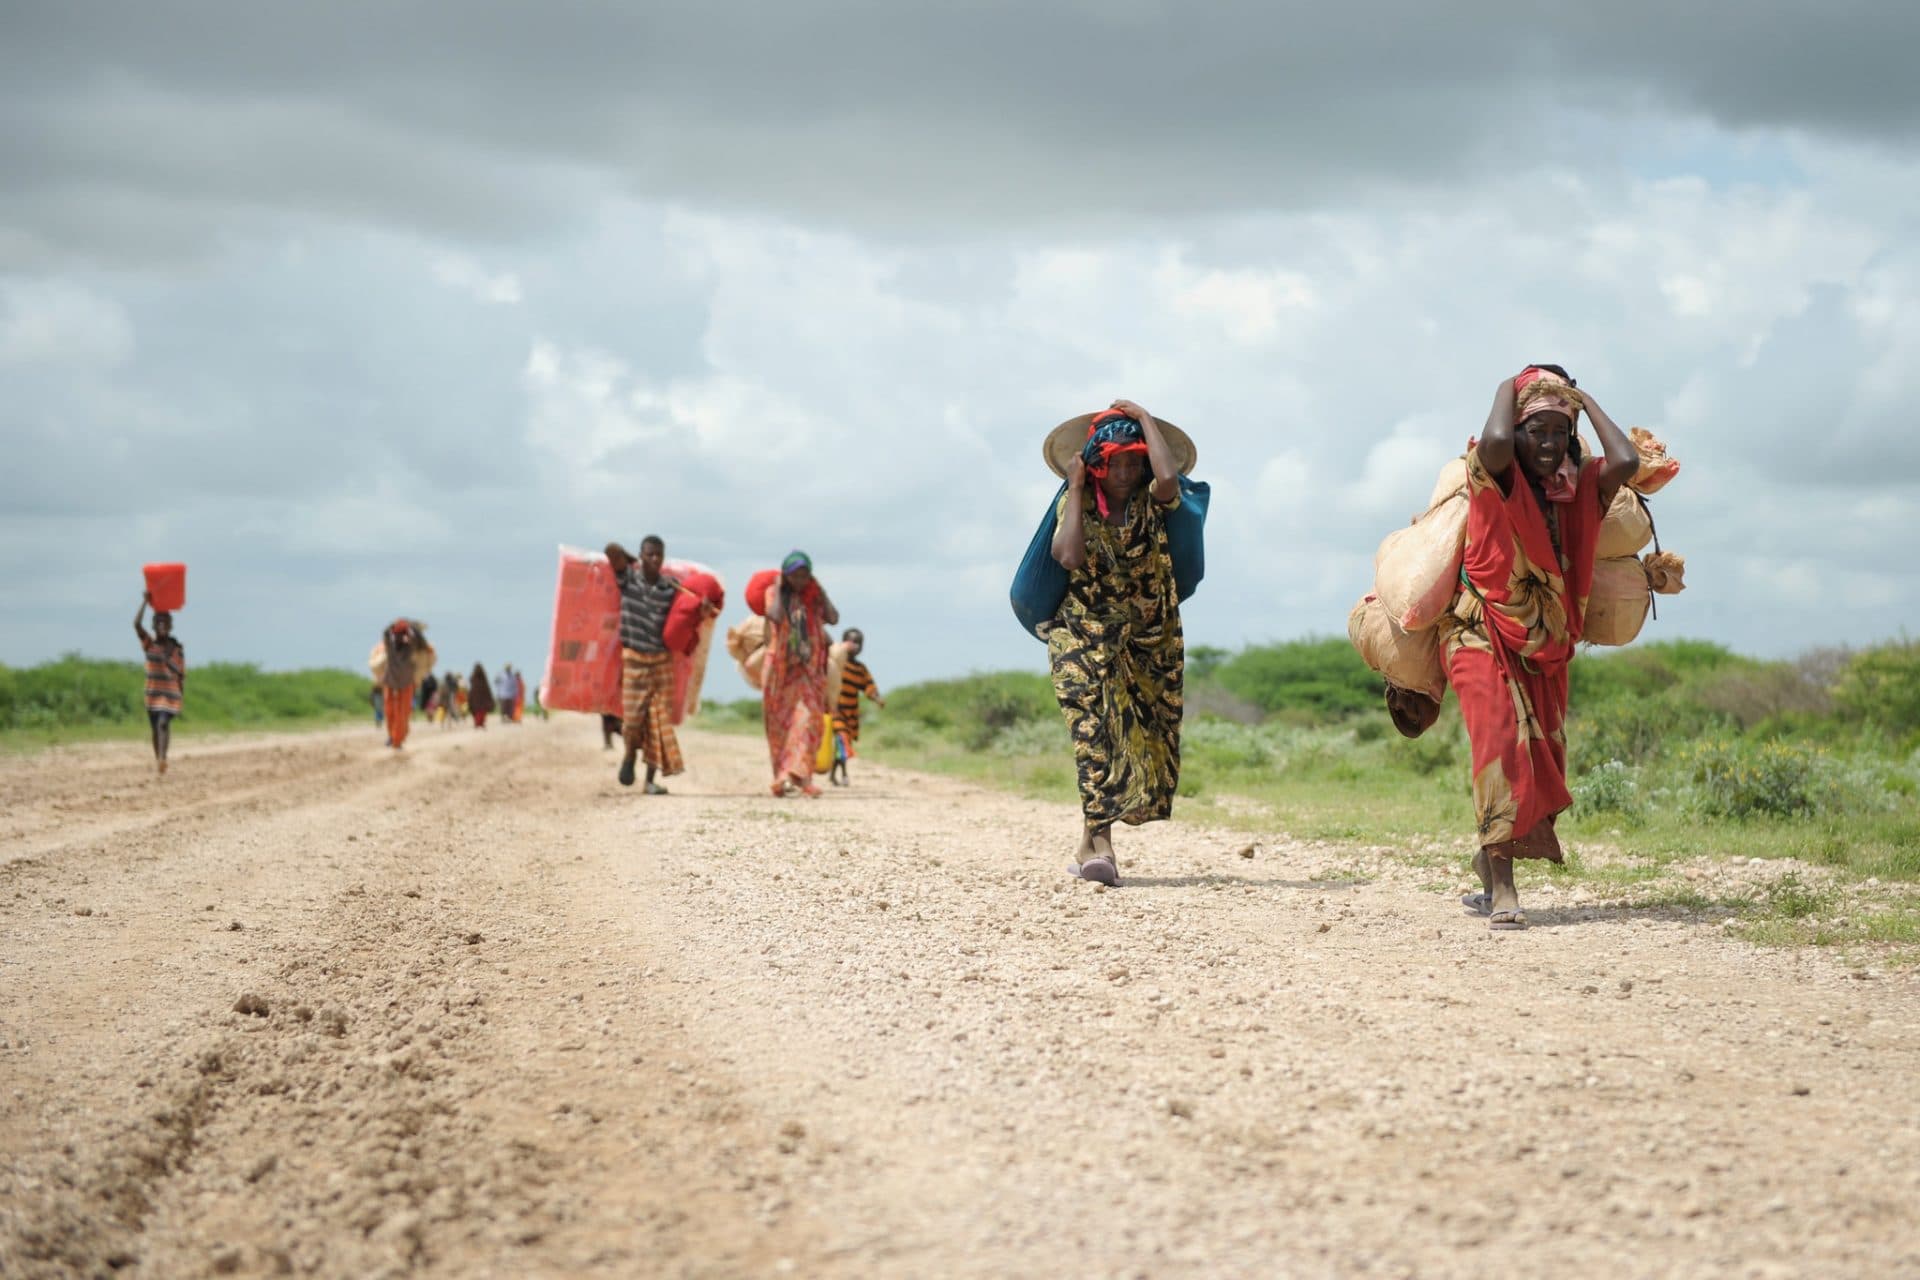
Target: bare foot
[[1482, 902], [1506, 912]]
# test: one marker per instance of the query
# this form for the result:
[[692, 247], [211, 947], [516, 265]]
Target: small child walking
[[855, 680], [166, 675]]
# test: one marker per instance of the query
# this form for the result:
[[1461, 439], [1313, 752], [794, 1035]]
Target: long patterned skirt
[[1515, 715], [794, 704], [1123, 700], [646, 699]]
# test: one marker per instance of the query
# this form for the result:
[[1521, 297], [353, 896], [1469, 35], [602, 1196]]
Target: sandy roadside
[[510, 1019]]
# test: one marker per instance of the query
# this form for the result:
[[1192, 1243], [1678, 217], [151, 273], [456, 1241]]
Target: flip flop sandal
[[1100, 871], [1507, 920], [810, 791], [655, 789], [1479, 903]]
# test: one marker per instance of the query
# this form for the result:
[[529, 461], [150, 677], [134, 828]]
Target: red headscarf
[[1110, 433], [1538, 390]]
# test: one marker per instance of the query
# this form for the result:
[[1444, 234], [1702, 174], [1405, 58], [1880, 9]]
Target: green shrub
[[1440, 748], [1324, 677], [1753, 695], [1737, 780], [1611, 788], [1222, 744], [1644, 670], [1033, 738], [74, 692], [1794, 898], [1881, 686], [975, 709]]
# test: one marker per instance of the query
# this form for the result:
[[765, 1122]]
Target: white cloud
[[459, 272], [59, 322], [744, 384]]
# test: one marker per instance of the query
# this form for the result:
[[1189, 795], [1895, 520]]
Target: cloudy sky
[[364, 309]]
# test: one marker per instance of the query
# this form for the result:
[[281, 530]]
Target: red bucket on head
[[167, 584]]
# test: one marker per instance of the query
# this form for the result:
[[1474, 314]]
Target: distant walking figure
[[479, 696], [404, 640], [646, 666], [855, 681], [793, 692], [166, 676]]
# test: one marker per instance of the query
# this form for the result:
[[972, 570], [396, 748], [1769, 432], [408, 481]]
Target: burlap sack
[[1416, 571], [1617, 608], [1453, 479], [753, 667], [423, 661], [1666, 572], [745, 636], [1627, 529], [1408, 660], [1656, 468]]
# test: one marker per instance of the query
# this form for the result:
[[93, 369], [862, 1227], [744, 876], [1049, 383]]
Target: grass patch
[[1683, 754], [78, 699]]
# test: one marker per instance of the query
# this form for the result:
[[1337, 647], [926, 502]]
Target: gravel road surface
[[308, 1006]]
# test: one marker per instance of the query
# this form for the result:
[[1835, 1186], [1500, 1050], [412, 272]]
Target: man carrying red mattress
[[646, 664]]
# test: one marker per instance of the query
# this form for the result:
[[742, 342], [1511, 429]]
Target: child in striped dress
[[855, 680], [166, 675]]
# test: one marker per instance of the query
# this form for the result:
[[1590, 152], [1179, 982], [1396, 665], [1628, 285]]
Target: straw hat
[[1070, 437]]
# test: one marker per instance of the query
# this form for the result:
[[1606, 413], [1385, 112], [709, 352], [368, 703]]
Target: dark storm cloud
[[143, 130]]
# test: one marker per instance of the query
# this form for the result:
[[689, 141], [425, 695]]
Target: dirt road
[[308, 1007]]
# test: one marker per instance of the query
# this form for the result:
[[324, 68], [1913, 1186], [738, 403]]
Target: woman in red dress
[[1535, 506]]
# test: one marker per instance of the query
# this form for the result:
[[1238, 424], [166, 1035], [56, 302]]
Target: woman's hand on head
[[1076, 472], [1132, 410]]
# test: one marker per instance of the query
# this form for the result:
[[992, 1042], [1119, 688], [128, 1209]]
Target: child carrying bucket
[[166, 675]]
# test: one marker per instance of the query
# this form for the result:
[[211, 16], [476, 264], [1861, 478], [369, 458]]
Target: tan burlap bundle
[[1407, 660]]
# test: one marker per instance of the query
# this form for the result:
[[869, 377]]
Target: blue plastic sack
[[1040, 583], [1187, 536]]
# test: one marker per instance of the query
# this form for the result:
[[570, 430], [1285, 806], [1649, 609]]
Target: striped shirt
[[166, 673], [643, 610], [855, 680]]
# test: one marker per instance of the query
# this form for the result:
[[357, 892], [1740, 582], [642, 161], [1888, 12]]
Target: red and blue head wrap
[[1110, 433]]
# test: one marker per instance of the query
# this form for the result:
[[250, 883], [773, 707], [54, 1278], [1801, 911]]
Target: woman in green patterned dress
[[1116, 647]]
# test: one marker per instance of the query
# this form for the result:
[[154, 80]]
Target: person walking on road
[[646, 666], [404, 640], [166, 676], [480, 696], [507, 691], [855, 681], [793, 691], [1533, 528], [1116, 645]]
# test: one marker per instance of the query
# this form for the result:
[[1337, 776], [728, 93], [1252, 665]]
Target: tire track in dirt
[[86, 802], [377, 1080]]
